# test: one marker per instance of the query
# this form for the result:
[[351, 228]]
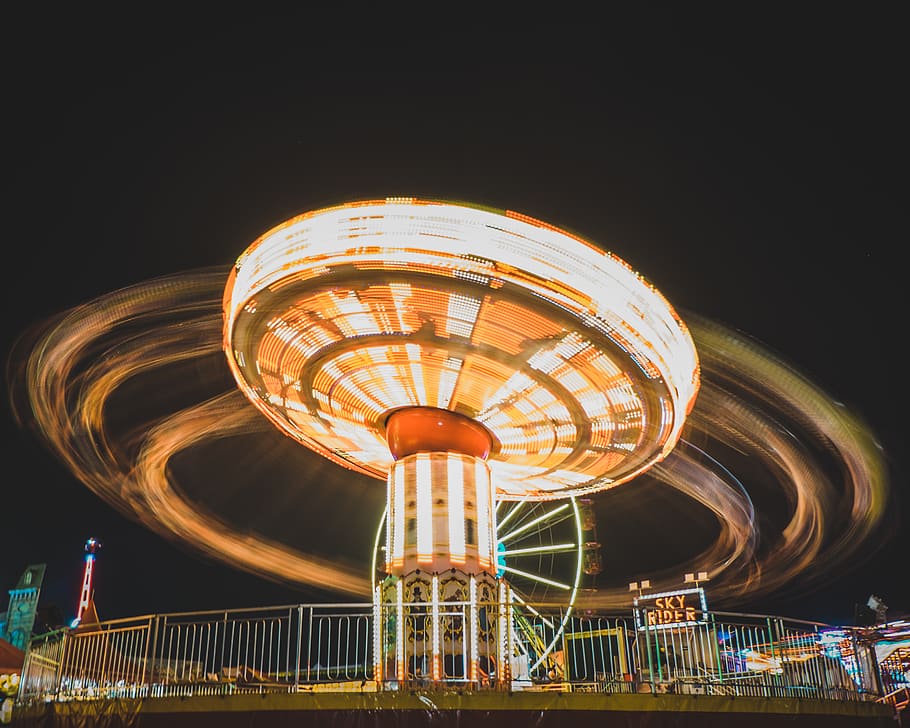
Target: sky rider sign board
[[680, 608]]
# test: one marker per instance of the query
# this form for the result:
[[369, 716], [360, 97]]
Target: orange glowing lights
[[154, 325], [581, 372]]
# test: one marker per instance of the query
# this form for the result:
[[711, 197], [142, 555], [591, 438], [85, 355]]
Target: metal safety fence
[[361, 647]]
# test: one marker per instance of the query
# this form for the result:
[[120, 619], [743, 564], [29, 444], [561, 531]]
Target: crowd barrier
[[336, 647]]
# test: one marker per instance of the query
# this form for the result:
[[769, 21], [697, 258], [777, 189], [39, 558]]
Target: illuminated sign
[[671, 609]]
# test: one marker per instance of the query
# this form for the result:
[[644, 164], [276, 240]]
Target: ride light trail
[[828, 470]]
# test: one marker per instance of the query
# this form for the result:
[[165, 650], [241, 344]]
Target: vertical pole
[[299, 643], [399, 634], [621, 649], [772, 641], [24, 677], [378, 637], [155, 670], [821, 660], [660, 671], [290, 634], [309, 645], [145, 659], [720, 668], [510, 642], [224, 626], [436, 667], [645, 656], [504, 641], [58, 678], [876, 670], [474, 635]]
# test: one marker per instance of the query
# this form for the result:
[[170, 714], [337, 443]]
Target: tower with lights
[[476, 361], [91, 549]]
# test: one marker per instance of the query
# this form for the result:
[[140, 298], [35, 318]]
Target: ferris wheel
[[541, 551]]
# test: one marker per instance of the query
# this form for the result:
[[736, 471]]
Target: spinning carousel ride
[[490, 369]]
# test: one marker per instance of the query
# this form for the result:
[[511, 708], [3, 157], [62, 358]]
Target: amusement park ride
[[85, 597], [493, 370]]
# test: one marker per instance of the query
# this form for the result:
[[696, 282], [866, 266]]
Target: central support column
[[440, 552], [440, 514]]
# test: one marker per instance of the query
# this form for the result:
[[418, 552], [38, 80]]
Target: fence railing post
[[716, 648], [299, 647], [58, 677], [153, 651]]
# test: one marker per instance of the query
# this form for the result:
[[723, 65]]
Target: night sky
[[749, 165]]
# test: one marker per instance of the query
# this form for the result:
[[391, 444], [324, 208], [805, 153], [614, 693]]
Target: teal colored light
[[500, 559]]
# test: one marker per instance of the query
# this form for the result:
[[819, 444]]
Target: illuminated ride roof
[[580, 369]]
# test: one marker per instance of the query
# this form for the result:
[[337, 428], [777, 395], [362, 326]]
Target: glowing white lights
[[504, 633], [424, 510], [440, 514], [579, 368], [399, 633], [436, 669], [377, 634], [530, 524], [455, 469], [474, 644], [486, 527], [397, 514]]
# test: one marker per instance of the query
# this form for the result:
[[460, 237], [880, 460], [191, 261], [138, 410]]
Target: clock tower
[[23, 603]]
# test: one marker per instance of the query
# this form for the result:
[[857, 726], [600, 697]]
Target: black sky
[[749, 164]]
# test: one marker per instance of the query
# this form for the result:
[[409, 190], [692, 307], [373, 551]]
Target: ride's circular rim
[[579, 368]]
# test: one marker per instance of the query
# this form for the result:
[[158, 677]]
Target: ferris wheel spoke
[[525, 605], [552, 520], [535, 577], [530, 524], [512, 512], [554, 548]]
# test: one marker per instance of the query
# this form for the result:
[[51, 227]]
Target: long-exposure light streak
[[821, 460]]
